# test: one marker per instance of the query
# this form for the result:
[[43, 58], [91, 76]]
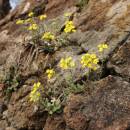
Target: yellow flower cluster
[[31, 14], [48, 36], [69, 27], [33, 27], [35, 95], [50, 73], [19, 21], [66, 63], [102, 46], [90, 61], [42, 17]]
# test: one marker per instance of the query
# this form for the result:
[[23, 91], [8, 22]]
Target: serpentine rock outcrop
[[105, 105]]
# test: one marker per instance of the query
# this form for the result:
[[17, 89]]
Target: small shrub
[[73, 87], [52, 106], [11, 82], [47, 97], [43, 40]]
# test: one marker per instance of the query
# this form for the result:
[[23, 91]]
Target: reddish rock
[[104, 109], [57, 7], [55, 123], [22, 114], [74, 118], [1, 87]]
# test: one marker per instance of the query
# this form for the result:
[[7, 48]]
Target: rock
[[105, 105], [10, 128], [3, 107], [104, 109], [55, 123], [23, 9], [4, 8], [3, 124], [57, 7], [119, 63], [21, 112], [1, 87]]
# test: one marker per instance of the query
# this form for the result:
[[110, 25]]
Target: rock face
[[104, 109], [105, 105], [4, 8], [120, 63]]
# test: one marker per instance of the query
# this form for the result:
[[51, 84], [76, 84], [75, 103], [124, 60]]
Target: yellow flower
[[50, 73], [33, 27], [69, 27], [28, 20], [42, 17], [67, 14], [66, 63], [90, 61], [48, 36], [102, 46], [19, 21], [35, 95], [31, 14]]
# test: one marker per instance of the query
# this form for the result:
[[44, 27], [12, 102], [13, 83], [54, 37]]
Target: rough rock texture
[[120, 61], [105, 105], [104, 109], [4, 8]]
